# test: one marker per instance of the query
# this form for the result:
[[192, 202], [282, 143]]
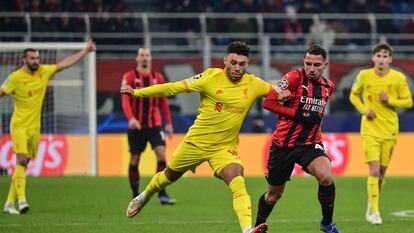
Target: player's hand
[[284, 95], [134, 124], [90, 46], [370, 114], [383, 97], [127, 90], [169, 130], [309, 117]]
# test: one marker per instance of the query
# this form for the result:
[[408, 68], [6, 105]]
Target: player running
[[226, 97]]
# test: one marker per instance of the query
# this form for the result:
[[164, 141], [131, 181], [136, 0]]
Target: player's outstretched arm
[[72, 59]]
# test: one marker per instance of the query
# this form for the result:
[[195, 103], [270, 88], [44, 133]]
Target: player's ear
[[225, 59]]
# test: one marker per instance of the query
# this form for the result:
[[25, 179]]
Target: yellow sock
[[373, 193], [19, 180], [159, 181], [11, 196], [242, 204]]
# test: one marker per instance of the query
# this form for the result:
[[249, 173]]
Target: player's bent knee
[[273, 197], [173, 175], [325, 179]]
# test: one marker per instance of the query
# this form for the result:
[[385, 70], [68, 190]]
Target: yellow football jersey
[[223, 106], [370, 85], [28, 92]]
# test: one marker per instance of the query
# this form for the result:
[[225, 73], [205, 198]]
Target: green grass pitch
[[87, 204]]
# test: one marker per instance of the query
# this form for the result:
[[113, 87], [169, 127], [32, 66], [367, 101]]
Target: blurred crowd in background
[[292, 25]]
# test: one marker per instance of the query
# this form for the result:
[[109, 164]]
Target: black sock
[[263, 210], [326, 196], [133, 175]]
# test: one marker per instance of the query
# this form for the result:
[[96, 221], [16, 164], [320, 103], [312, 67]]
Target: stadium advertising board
[[344, 149], [57, 155]]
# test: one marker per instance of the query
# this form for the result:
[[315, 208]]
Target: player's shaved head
[[239, 48], [144, 59]]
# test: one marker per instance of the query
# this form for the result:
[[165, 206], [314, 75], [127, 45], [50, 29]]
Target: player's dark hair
[[382, 46], [239, 48], [316, 50], [31, 50]]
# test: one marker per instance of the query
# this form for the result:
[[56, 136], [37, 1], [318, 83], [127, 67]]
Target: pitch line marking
[[404, 213]]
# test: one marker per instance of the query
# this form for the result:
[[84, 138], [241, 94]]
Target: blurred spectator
[[384, 25], [322, 34], [306, 8], [243, 24], [52, 6], [292, 28], [408, 28], [360, 25]]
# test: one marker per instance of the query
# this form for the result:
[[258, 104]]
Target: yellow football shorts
[[377, 149], [187, 157], [25, 141]]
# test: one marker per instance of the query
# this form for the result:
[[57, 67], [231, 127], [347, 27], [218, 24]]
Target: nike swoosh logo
[[132, 213]]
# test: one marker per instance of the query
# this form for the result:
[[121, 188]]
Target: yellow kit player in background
[[28, 86], [383, 90], [226, 97]]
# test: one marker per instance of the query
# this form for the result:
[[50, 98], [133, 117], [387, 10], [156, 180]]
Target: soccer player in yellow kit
[[226, 97], [383, 90], [28, 86]]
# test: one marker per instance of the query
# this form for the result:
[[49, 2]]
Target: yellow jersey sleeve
[[9, 85], [49, 70], [195, 83], [356, 91], [404, 99]]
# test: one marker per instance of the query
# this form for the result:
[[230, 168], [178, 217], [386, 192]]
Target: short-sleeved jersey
[[223, 106], [28, 92], [370, 85], [145, 110], [306, 94]]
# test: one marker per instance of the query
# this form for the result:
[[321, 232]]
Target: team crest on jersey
[[283, 84]]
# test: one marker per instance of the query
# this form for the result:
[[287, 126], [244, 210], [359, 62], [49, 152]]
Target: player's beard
[[33, 67], [144, 64]]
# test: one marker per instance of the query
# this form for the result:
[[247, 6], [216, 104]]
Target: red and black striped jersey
[[145, 110], [306, 94]]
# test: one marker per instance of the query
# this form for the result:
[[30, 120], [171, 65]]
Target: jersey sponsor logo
[[51, 159], [218, 107]]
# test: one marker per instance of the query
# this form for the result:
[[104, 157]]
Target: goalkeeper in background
[[28, 86], [383, 90]]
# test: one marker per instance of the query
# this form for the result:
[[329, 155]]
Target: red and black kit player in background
[[299, 99], [144, 120]]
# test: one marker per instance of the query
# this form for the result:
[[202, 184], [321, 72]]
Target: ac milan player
[[144, 120], [299, 99]]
